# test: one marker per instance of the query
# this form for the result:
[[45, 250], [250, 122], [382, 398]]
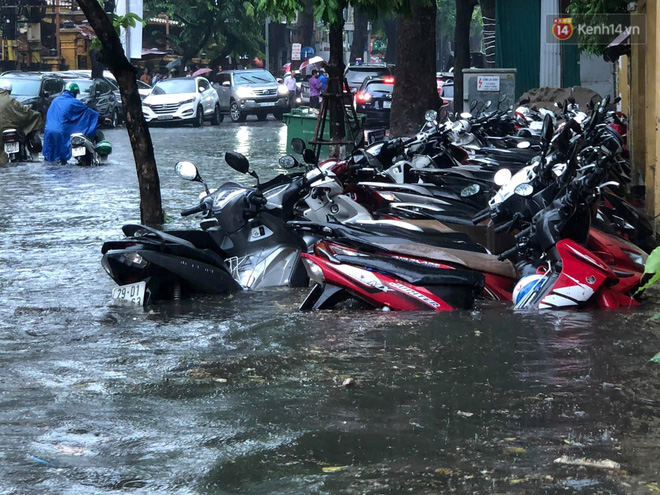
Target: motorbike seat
[[412, 273]]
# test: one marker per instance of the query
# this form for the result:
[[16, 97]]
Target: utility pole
[[57, 32]]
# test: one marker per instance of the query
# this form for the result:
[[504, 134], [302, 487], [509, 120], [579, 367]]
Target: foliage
[[219, 27], [592, 12], [120, 21], [652, 267]]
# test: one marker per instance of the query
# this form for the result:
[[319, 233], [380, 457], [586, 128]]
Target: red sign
[[562, 28]]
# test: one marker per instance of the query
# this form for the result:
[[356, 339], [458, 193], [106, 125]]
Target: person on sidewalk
[[315, 88]]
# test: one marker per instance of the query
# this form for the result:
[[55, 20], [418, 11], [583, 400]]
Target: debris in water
[[41, 461], [516, 450], [69, 450], [348, 383], [477, 333], [653, 487], [443, 471], [464, 414], [334, 469], [220, 380], [603, 464]]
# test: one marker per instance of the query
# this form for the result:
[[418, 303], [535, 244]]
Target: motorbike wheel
[[217, 116], [262, 116], [199, 118], [235, 112]]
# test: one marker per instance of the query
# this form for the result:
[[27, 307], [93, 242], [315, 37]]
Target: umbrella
[[200, 72], [174, 63], [310, 64]]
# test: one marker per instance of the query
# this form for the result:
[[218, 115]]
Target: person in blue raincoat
[[67, 115]]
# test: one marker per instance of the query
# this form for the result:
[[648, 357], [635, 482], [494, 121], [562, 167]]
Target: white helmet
[[6, 85]]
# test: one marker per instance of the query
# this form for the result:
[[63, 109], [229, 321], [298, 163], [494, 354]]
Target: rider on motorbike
[[14, 115], [67, 115]]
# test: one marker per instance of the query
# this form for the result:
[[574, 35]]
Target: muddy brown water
[[244, 394]]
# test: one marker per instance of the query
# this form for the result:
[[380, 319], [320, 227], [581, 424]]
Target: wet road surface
[[244, 394]]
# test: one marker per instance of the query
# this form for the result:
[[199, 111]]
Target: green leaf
[[652, 267], [656, 358]]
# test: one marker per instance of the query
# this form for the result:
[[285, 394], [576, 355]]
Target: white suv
[[184, 99]]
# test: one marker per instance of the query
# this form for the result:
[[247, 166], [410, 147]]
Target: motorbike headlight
[[314, 271], [77, 141], [636, 258], [524, 190], [470, 190], [282, 91], [244, 92]]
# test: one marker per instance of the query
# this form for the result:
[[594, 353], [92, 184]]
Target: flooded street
[[244, 394]]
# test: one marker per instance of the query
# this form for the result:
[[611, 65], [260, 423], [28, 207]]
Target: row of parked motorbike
[[484, 207]]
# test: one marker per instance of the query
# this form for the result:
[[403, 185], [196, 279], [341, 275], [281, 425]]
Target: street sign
[[295, 51], [488, 83]]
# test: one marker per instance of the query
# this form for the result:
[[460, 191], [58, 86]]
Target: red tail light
[[362, 97], [388, 80]]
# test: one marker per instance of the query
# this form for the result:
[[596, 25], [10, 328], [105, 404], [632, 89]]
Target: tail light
[[362, 97], [10, 136], [388, 80]]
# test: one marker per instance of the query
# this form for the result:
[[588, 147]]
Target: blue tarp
[[66, 116]]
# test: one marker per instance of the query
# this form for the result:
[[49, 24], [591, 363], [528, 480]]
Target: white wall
[[597, 74]]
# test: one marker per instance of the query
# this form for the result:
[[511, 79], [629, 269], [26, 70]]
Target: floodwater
[[244, 394]]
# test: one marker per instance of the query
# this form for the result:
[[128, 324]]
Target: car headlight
[[244, 93], [282, 91], [146, 105], [184, 102]]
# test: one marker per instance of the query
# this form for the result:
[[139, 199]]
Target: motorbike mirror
[[616, 100], [473, 105], [298, 145], [559, 104], [288, 162], [546, 132], [187, 171], [523, 145], [502, 177], [524, 101], [571, 100], [237, 161], [488, 104], [502, 98], [309, 156], [466, 115], [359, 139], [430, 116]]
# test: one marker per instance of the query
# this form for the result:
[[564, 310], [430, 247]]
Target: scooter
[[20, 148], [87, 152], [244, 243]]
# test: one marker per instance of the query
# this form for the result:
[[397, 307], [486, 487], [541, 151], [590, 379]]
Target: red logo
[[562, 28]]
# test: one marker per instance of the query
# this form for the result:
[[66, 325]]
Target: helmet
[[6, 85], [526, 285], [72, 87]]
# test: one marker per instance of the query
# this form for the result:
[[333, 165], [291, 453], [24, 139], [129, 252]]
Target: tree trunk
[[415, 90], [305, 25], [151, 211], [390, 32], [488, 15], [464, 9], [360, 41], [334, 91]]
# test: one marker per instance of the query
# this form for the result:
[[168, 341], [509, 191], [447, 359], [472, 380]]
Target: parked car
[[251, 92], [356, 74], [98, 94], [35, 90], [183, 100], [374, 99]]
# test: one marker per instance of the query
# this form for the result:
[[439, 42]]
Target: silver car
[[251, 92]]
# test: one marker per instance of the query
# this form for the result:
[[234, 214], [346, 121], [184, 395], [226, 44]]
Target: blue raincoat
[[66, 116]]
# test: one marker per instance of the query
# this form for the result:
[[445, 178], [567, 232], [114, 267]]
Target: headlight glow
[[282, 91], [244, 92]]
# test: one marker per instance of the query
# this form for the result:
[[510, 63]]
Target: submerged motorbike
[[19, 147], [88, 152], [244, 243]]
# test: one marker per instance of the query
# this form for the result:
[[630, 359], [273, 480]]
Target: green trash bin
[[301, 123]]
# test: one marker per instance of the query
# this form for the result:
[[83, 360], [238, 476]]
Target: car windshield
[[253, 77], [380, 88], [24, 87], [175, 86], [356, 76]]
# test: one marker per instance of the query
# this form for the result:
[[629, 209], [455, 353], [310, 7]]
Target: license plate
[[267, 104], [133, 293], [165, 117], [79, 151], [387, 104], [11, 148]]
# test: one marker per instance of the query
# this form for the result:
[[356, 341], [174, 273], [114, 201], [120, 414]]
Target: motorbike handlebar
[[505, 226], [506, 254], [482, 215], [192, 211], [523, 233]]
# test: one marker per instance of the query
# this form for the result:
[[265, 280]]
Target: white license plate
[[11, 148], [267, 104], [79, 151], [131, 292], [387, 104], [165, 117]]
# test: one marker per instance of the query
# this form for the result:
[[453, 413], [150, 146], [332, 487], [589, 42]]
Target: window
[[203, 85], [222, 78], [52, 86], [103, 86]]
